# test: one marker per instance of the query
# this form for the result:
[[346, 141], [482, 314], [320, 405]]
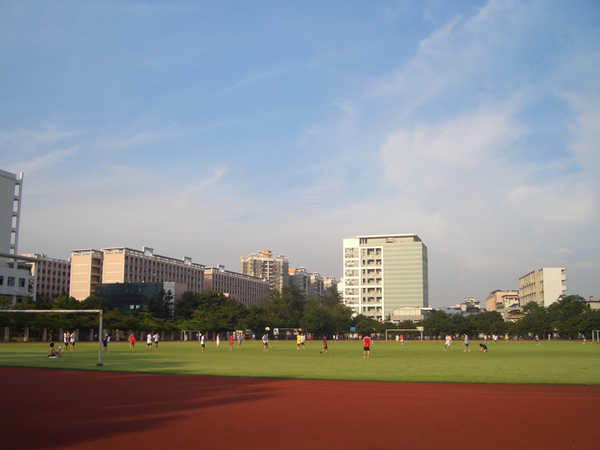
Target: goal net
[[404, 334]]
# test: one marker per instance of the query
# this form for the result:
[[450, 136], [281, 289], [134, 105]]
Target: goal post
[[596, 336], [404, 330], [66, 311]]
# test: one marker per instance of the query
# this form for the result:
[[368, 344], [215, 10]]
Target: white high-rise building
[[544, 286], [15, 279], [385, 272]]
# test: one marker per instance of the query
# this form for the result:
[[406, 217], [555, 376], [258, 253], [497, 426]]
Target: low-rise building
[[246, 289], [53, 276]]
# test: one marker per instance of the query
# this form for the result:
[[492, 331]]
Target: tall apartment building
[[125, 265], [301, 279], [15, 279], [264, 265], [544, 286], [53, 276], [246, 289], [385, 272]]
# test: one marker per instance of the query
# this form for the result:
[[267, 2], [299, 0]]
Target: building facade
[[138, 295], [385, 272], [53, 276], [264, 265], [543, 286], [301, 279], [246, 289], [125, 265], [15, 278]]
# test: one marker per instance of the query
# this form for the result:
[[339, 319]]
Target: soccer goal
[[596, 336], [404, 332], [66, 311]]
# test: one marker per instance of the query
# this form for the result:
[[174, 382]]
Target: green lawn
[[513, 362]]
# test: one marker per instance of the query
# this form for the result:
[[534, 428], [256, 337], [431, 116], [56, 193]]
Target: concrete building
[[125, 265], [544, 286], [264, 265], [385, 272], [408, 313], [246, 289], [15, 279], [331, 282], [506, 303], [53, 276], [301, 279], [317, 284]]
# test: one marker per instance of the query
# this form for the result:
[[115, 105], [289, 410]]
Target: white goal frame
[[418, 330], [596, 336], [65, 311]]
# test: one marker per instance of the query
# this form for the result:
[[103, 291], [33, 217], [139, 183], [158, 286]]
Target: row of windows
[[10, 281]]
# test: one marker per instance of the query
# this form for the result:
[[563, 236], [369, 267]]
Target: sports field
[[257, 399], [506, 363]]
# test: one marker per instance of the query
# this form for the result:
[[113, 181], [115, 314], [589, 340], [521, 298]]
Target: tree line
[[570, 317]]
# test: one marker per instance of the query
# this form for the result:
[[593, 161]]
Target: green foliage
[[161, 306]]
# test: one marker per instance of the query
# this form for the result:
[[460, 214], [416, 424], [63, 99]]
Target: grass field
[[513, 362]]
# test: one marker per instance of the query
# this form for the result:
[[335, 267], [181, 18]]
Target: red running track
[[51, 409]]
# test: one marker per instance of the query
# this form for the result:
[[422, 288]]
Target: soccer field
[[513, 362]]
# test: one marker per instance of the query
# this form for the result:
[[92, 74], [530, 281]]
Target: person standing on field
[[202, 342], [231, 342], [66, 340], [324, 345], [149, 341], [366, 347], [131, 341], [72, 340], [240, 339], [298, 341], [447, 343], [467, 349], [218, 340], [155, 339], [265, 342]]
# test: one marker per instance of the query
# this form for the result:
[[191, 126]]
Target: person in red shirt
[[366, 347], [231, 342]]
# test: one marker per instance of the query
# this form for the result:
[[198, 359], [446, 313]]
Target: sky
[[217, 129]]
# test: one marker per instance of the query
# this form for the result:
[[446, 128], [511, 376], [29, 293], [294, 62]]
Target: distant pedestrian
[[466, 341], [537, 340], [506, 338], [240, 339], [72, 340], [218, 340], [401, 339], [299, 342], [202, 342], [149, 341], [155, 339], [302, 340], [325, 346], [131, 341], [66, 340], [265, 342], [231, 342], [448, 343], [105, 342], [366, 347]]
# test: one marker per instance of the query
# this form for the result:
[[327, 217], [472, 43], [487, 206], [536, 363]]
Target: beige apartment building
[[246, 289], [53, 276], [506, 303], [125, 265], [544, 286], [263, 264]]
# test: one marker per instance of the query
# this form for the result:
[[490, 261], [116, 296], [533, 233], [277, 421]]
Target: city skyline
[[218, 130]]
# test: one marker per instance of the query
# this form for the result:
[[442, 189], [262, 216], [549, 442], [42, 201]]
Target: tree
[[161, 306]]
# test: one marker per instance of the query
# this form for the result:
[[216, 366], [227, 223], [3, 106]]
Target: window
[[11, 281], [21, 282], [1, 280]]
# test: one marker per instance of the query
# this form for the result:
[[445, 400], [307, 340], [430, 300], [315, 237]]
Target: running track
[[52, 409]]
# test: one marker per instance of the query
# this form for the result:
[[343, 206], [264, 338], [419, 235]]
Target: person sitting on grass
[[53, 353], [483, 348]]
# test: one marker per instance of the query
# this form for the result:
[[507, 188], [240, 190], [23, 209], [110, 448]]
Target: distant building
[[246, 289], [385, 272], [543, 286], [301, 279], [125, 265], [468, 307], [413, 314], [317, 284], [506, 303], [53, 276], [138, 295], [264, 265], [331, 282], [15, 279]]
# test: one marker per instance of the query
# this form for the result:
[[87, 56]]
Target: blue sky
[[217, 129]]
